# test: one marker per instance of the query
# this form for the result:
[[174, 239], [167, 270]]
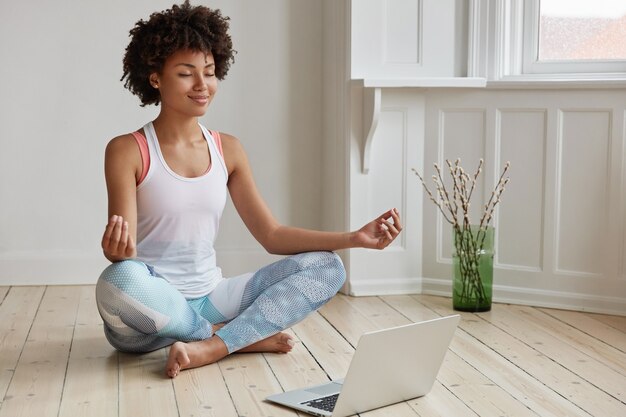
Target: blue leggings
[[143, 312]]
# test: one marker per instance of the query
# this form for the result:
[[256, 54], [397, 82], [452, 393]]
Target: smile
[[200, 99]]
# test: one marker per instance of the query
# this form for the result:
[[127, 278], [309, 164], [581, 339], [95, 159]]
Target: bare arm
[[284, 240], [122, 166]]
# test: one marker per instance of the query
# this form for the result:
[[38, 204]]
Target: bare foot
[[193, 354], [278, 343]]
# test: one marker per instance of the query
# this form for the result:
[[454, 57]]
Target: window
[[574, 36]]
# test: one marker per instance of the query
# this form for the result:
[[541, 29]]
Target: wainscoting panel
[[560, 225], [521, 140], [583, 140]]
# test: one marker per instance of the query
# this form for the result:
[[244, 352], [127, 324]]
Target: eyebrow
[[193, 66]]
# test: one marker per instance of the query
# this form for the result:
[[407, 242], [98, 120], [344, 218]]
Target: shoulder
[[123, 152], [121, 145], [234, 153], [230, 142]]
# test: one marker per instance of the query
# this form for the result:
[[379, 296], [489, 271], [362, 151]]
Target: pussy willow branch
[[463, 186], [431, 196], [478, 170], [455, 187], [443, 192], [494, 199]]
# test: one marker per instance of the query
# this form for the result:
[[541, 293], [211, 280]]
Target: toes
[[177, 360], [174, 371], [286, 339]]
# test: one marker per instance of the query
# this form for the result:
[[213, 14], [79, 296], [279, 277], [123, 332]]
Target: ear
[[154, 80]]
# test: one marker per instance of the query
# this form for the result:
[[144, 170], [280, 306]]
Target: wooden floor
[[513, 361]]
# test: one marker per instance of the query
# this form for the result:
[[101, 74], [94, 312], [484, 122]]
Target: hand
[[117, 243], [379, 233]]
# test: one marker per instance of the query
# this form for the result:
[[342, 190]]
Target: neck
[[171, 128]]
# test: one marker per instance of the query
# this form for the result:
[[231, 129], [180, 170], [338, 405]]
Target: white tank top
[[178, 220]]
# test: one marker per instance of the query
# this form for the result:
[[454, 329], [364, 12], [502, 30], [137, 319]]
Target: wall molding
[[384, 286], [502, 294], [537, 298]]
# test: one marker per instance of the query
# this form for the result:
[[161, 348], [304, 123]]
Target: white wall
[[61, 101]]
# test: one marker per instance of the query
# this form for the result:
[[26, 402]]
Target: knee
[[331, 269], [121, 274], [338, 270]]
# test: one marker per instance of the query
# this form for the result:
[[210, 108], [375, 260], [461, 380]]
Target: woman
[[167, 185]]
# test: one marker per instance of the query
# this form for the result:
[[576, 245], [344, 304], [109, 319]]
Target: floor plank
[[297, 369], [202, 392], [617, 322], [249, 380], [17, 313], [523, 387], [477, 391], [574, 338], [145, 390], [37, 385], [91, 359], [592, 326], [331, 350]]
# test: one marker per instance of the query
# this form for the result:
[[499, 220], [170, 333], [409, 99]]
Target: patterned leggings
[[143, 312]]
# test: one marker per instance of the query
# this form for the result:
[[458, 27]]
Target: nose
[[200, 83]]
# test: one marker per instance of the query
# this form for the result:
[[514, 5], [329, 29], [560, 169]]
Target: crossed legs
[[142, 312]]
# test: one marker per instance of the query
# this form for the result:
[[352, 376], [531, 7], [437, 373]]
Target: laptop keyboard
[[323, 403]]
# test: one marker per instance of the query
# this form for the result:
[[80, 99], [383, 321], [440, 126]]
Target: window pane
[[582, 30]]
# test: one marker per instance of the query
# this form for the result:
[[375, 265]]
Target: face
[[187, 82]]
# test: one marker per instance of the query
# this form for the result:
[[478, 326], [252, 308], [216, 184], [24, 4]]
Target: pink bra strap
[[218, 140], [142, 142]]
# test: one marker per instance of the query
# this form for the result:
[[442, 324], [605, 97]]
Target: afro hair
[[197, 28]]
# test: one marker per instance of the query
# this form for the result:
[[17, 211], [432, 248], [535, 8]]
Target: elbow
[[271, 242], [272, 248]]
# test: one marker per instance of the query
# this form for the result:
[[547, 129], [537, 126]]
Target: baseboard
[[538, 298], [386, 286]]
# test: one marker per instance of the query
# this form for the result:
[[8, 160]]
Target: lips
[[201, 99]]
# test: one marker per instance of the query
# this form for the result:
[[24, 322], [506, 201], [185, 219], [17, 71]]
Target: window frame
[[530, 51], [498, 31]]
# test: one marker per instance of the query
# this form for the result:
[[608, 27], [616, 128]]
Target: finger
[[385, 215], [121, 246], [395, 215], [385, 231], [117, 232], [108, 231], [391, 227]]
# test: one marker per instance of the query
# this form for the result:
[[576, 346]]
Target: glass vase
[[472, 260]]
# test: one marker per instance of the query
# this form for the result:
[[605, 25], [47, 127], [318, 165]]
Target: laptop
[[388, 366]]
